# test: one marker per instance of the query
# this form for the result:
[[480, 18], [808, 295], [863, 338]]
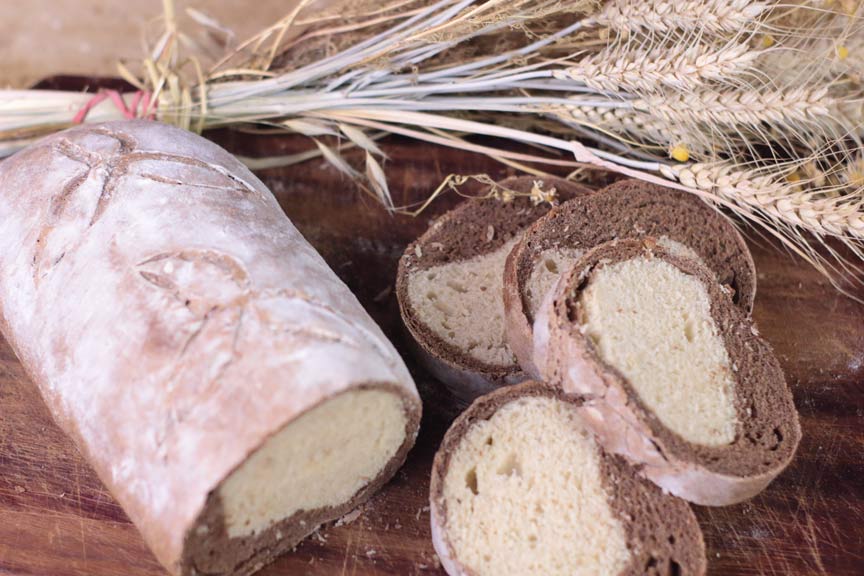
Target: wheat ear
[[713, 16], [622, 120], [775, 196], [680, 67], [799, 106]]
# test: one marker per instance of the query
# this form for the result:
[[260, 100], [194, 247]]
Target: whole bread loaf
[[675, 376], [225, 385]]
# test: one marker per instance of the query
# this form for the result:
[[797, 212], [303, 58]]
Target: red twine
[[141, 98]]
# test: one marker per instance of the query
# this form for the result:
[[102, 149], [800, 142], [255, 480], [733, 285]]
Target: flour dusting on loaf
[[176, 322]]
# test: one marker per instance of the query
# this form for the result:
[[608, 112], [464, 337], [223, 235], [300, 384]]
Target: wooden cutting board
[[56, 518]]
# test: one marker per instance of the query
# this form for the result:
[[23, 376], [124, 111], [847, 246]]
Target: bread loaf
[[449, 287], [228, 389], [519, 487], [628, 208], [675, 375]]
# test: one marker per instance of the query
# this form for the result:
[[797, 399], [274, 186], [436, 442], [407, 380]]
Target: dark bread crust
[[209, 549], [662, 533], [460, 234], [625, 209], [768, 430]]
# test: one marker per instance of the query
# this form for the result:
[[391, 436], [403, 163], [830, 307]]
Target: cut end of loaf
[[519, 486], [320, 460], [652, 323], [314, 470]]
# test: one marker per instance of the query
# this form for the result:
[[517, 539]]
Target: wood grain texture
[[56, 519]]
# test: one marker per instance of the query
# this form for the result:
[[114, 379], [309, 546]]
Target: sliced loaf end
[[316, 469], [519, 486], [676, 377], [449, 287], [680, 222]]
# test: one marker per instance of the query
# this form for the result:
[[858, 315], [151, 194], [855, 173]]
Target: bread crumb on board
[[420, 512], [384, 294], [349, 518]]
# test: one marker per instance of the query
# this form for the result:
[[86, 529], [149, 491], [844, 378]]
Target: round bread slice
[[628, 208], [449, 287], [675, 375], [519, 486]]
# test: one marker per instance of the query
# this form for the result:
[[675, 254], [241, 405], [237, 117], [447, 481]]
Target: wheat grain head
[[772, 194], [646, 71], [705, 16]]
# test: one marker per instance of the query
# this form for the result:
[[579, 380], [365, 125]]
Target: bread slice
[[519, 486], [627, 208], [449, 287], [676, 377]]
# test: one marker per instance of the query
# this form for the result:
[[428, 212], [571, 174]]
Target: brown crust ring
[[662, 532], [625, 209], [207, 543], [458, 235], [768, 431]]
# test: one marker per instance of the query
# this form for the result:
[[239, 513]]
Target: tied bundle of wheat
[[757, 106]]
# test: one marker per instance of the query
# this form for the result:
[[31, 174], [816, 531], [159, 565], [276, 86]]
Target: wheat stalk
[[773, 194], [707, 16], [681, 67]]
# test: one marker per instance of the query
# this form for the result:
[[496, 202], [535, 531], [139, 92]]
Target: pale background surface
[[39, 38]]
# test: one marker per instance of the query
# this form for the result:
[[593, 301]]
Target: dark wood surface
[[56, 518]]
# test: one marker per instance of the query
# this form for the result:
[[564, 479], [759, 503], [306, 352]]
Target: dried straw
[[643, 84]]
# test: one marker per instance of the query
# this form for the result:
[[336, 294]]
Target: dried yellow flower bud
[[680, 152]]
